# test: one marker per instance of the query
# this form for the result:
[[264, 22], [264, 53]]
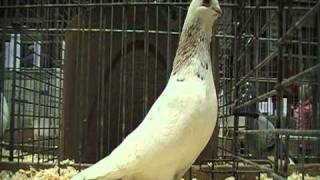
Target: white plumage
[[181, 121]]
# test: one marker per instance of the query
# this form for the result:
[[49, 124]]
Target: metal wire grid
[[31, 79], [270, 48]]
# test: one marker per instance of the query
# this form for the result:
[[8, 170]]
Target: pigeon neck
[[195, 38]]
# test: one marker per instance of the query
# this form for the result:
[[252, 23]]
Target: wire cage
[[77, 76], [269, 102], [31, 84]]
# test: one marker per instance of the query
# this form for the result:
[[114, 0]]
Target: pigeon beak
[[217, 9]]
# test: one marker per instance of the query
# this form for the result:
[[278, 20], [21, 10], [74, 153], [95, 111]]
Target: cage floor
[[222, 172], [27, 157]]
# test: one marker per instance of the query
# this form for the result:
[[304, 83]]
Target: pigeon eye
[[206, 3]]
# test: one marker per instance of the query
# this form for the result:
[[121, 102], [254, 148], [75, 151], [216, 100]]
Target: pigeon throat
[[195, 38]]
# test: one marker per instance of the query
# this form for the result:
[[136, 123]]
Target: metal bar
[[44, 71], [100, 122], [257, 99], [168, 62], [2, 94], [104, 125], [315, 9], [279, 92], [110, 80], [293, 132], [235, 66], [79, 125], [87, 5], [296, 77], [258, 166], [146, 61], [133, 76], [30, 115], [257, 67], [13, 95]]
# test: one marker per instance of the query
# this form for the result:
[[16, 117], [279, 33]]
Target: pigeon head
[[206, 9], [206, 12]]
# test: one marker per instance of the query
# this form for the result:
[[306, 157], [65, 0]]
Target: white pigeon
[[181, 121]]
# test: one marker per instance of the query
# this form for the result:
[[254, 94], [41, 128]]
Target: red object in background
[[304, 115], [303, 121]]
